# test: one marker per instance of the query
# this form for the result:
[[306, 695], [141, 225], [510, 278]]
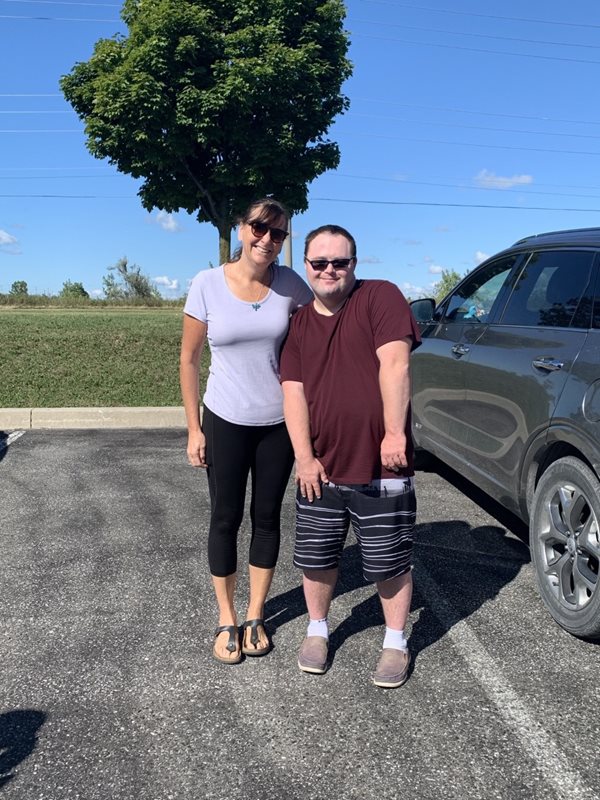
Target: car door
[[519, 365], [440, 421]]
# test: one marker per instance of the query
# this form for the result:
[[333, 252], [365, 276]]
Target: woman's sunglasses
[[260, 228]]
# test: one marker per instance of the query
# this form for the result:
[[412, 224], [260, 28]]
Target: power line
[[479, 50], [63, 3], [475, 35], [31, 95], [36, 112], [476, 144], [472, 127], [524, 190], [48, 130], [60, 19], [485, 16], [388, 102], [328, 200], [449, 205]]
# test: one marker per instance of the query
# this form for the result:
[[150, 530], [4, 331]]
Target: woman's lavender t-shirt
[[243, 382]]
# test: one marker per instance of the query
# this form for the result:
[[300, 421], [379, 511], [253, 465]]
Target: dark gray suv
[[506, 390]]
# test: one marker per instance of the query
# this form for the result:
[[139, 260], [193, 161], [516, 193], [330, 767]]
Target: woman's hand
[[196, 449]]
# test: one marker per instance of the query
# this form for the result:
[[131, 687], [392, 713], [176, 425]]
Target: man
[[346, 387]]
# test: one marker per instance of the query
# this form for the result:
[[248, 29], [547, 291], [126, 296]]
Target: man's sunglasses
[[320, 264], [260, 228]]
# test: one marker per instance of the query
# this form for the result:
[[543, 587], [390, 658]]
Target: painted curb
[[82, 418]]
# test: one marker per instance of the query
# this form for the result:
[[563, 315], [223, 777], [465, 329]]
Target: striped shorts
[[382, 521]]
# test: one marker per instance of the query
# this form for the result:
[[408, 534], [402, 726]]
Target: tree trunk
[[224, 229]]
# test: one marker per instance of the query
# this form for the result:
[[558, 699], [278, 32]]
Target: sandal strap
[[253, 625], [232, 630]]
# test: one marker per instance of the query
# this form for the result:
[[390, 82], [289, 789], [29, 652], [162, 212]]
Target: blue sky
[[470, 125]]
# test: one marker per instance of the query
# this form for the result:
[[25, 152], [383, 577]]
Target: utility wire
[[387, 102], [475, 144], [63, 3], [485, 16], [470, 127], [327, 200], [60, 19], [449, 205], [478, 49], [474, 35]]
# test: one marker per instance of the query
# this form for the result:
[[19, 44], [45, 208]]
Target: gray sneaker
[[313, 655], [392, 668]]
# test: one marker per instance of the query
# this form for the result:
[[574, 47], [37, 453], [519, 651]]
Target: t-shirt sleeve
[[290, 365], [195, 304], [391, 317], [300, 292]]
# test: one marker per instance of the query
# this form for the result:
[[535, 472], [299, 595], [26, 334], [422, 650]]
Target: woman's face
[[257, 237]]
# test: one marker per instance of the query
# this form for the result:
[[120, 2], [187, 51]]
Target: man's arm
[[309, 470], [394, 384]]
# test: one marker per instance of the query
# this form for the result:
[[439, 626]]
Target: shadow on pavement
[[18, 738], [442, 549], [3, 444]]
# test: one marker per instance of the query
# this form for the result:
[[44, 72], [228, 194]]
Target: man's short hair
[[334, 230]]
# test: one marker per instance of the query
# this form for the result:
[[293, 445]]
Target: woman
[[243, 309]]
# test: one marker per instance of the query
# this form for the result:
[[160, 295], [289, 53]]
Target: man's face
[[331, 285]]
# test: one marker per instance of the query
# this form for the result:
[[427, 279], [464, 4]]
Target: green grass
[[54, 358]]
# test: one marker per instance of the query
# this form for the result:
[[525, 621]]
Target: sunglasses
[[260, 228], [320, 264]]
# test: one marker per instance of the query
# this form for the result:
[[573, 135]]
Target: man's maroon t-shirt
[[335, 359]]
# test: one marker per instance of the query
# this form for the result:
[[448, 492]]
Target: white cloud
[[96, 293], [167, 222], [441, 229], [369, 260], [480, 256], [163, 280], [6, 238], [413, 291], [488, 180], [8, 244], [435, 269], [412, 242]]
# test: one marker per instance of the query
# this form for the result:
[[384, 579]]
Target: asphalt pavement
[[109, 689]]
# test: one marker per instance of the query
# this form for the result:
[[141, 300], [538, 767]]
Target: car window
[[551, 290], [473, 300]]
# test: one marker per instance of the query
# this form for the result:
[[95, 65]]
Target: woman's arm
[[192, 344]]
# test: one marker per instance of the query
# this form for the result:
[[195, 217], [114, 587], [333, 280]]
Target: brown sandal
[[254, 650], [232, 644]]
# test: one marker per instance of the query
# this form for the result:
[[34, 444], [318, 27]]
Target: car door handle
[[550, 364], [460, 349]]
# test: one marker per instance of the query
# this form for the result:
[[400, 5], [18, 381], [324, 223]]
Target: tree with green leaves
[[215, 103], [447, 282], [73, 290], [127, 282], [19, 289]]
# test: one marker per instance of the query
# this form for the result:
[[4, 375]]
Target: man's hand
[[310, 474], [196, 449], [393, 451]]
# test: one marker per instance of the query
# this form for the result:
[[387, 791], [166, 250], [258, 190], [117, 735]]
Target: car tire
[[564, 538]]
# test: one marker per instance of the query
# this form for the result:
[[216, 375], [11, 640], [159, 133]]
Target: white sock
[[395, 639], [318, 627]]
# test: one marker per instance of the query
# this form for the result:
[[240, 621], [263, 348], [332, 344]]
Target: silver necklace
[[256, 305]]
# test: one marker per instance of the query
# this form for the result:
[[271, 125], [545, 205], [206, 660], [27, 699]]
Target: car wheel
[[565, 545]]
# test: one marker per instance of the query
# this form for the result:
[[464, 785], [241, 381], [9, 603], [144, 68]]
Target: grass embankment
[[55, 358]]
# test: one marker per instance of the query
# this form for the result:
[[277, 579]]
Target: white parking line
[[535, 742]]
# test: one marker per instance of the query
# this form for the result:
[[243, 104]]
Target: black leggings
[[233, 451]]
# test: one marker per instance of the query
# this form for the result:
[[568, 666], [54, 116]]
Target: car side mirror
[[423, 309]]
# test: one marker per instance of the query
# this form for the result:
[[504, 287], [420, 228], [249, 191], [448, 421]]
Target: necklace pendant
[[256, 306]]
